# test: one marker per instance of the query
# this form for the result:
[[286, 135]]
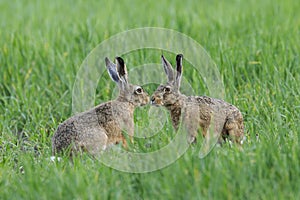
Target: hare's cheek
[[167, 99], [158, 101]]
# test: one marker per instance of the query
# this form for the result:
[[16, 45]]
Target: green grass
[[255, 45]]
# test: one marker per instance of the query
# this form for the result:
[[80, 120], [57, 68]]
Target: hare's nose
[[152, 101]]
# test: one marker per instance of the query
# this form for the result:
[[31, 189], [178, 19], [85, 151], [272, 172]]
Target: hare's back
[[214, 105]]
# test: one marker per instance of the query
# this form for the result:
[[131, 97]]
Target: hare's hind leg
[[94, 141], [235, 129]]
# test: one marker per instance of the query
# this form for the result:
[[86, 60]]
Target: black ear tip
[[179, 57], [163, 58], [120, 60]]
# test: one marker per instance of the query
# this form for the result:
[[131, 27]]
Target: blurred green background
[[255, 45]]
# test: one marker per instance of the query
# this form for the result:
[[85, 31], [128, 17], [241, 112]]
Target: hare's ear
[[112, 71], [179, 68], [121, 69], [168, 69]]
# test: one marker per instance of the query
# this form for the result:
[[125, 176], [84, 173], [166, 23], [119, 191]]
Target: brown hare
[[94, 130], [197, 111]]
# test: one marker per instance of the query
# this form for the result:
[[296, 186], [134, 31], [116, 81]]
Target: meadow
[[255, 45]]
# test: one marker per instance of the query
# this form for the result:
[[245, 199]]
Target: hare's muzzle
[[146, 100], [155, 101], [152, 101]]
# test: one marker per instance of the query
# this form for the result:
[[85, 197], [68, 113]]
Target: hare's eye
[[167, 89], [139, 90]]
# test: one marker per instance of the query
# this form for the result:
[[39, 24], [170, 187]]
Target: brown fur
[[104, 124], [198, 111]]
